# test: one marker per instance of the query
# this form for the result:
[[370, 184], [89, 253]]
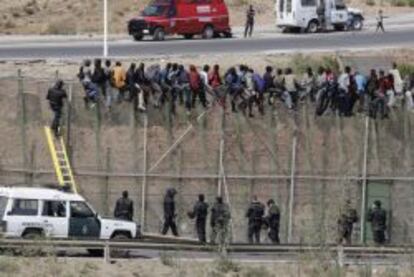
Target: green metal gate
[[378, 191]]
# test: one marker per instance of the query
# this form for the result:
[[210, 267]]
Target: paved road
[[265, 42]]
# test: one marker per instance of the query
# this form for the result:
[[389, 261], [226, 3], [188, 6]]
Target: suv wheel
[[313, 27], [357, 23], [32, 235], [188, 36], [138, 37], [208, 32], [120, 253], [159, 34]]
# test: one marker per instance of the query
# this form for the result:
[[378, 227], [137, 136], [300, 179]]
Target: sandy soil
[[84, 17]]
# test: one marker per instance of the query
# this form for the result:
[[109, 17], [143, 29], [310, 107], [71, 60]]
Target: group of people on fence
[[258, 219], [339, 93]]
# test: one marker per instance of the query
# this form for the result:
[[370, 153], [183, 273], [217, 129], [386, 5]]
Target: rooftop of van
[[38, 193]]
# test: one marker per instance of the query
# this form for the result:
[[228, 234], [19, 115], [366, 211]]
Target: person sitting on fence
[[118, 80]]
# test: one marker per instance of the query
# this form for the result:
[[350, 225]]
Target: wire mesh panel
[[308, 165]]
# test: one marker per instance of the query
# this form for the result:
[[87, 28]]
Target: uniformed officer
[[200, 212], [220, 217], [347, 217], [255, 215], [273, 221], [378, 218], [169, 212], [124, 208]]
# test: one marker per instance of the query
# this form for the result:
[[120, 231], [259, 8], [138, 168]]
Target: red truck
[[208, 18]]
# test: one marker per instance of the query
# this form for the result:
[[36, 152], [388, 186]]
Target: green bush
[[406, 69], [399, 3], [370, 2], [410, 3]]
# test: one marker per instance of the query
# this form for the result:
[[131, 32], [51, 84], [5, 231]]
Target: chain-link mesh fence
[[309, 165]]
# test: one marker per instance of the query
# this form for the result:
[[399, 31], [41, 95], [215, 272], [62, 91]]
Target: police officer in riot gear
[[378, 218], [169, 212], [124, 208], [273, 221], [347, 218], [200, 212], [255, 215]]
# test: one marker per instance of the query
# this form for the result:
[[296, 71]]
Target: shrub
[[370, 2]]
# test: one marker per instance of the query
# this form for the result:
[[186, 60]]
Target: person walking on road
[[169, 213], [56, 96], [200, 212], [250, 15], [380, 21], [124, 207]]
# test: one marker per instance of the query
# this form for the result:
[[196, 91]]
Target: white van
[[303, 15], [31, 213]]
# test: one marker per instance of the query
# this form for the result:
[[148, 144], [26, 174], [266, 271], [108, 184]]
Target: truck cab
[[316, 15], [27, 212], [208, 18]]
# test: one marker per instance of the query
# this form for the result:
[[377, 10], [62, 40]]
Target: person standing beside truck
[[250, 14]]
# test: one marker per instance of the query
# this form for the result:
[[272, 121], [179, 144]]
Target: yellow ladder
[[60, 160]]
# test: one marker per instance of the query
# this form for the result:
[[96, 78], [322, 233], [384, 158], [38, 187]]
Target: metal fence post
[[364, 180], [23, 119], [144, 176], [292, 189]]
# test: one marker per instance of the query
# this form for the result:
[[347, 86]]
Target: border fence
[[309, 165]]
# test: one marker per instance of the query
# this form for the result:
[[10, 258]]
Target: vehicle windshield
[[3, 204], [154, 10]]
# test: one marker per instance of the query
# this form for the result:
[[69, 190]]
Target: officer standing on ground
[[169, 212], [220, 217], [273, 221], [124, 208], [255, 215], [347, 217], [56, 96], [200, 212], [378, 218], [250, 14]]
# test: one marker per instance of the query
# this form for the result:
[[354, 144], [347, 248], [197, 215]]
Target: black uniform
[[124, 209], [200, 212], [169, 213], [56, 96], [255, 215], [273, 222], [378, 218]]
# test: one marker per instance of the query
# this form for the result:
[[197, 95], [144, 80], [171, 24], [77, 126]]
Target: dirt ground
[[174, 267], [85, 17], [68, 68]]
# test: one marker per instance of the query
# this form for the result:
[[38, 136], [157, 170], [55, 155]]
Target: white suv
[[31, 213]]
